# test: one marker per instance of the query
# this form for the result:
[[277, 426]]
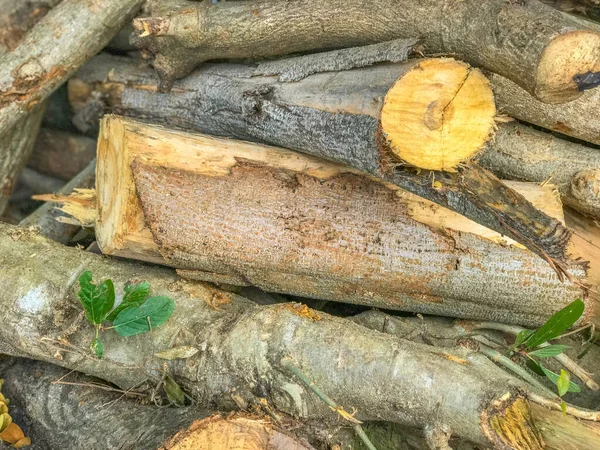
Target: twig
[[101, 386], [288, 364], [574, 411], [502, 360]]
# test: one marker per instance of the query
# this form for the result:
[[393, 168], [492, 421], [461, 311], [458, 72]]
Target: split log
[[333, 115], [241, 345], [50, 221], [54, 49], [319, 229], [61, 155], [18, 17], [522, 153], [536, 46]]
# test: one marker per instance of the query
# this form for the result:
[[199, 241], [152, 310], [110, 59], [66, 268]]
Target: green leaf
[[174, 392], [135, 294], [97, 347], [563, 382], [563, 406], [97, 300], [557, 324], [549, 351], [554, 378], [134, 320], [522, 337], [534, 366]]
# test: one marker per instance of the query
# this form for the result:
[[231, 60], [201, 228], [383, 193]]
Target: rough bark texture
[[318, 229], [49, 220], [576, 118], [332, 115], [16, 145], [519, 152], [61, 416], [527, 41], [17, 17], [54, 49], [61, 155], [241, 346]]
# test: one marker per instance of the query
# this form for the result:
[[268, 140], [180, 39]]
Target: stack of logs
[[432, 157]]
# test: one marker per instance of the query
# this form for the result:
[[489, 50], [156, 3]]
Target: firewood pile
[[338, 224]]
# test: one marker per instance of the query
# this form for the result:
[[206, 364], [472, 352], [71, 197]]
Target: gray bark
[[62, 416], [331, 115], [17, 17], [510, 38], [241, 346]]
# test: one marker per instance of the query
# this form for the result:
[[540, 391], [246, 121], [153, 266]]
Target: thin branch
[[574, 411]]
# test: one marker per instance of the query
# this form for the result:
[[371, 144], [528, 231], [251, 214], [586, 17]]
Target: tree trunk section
[[536, 46], [319, 229], [241, 346], [329, 115], [54, 49]]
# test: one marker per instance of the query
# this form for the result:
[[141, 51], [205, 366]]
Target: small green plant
[[534, 345], [137, 313]]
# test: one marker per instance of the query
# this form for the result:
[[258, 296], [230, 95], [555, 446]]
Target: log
[[320, 230], [78, 415], [53, 224], [536, 46], [332, 115], [241, 346], [574, 119], [54, 49], [18, 17], [60, 154], [522, 153]]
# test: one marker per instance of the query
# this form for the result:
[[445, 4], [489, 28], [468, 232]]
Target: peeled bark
[[332, 115], [50, 221], [519, 152], [318, 229], [537, 47], [241, 345], [54, 49], [60, 154]]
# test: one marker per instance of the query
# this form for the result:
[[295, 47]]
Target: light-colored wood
[[235, 433], [438, 114]]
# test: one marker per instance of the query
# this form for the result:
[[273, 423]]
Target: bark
[[519, 152], [16, 145], [329, 115], [241, 346], [576, 119], [17, 17], [443, 333], [60, 416], [36, 183], [50, 221], [318, 229], [527, 41], [54, 49], [61, 155]]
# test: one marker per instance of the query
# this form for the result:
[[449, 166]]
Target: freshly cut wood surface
[[439, 114]]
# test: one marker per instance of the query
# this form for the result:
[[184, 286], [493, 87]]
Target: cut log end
[[567, 59], [509, 424], [439, 114]]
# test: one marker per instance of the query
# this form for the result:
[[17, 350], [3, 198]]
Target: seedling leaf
[[135, 294], [549, 351], [560, 322], [174, 392], [572, 387], [97, 300], [137, 319], [523, 336], [562, 383], [97, 347]]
